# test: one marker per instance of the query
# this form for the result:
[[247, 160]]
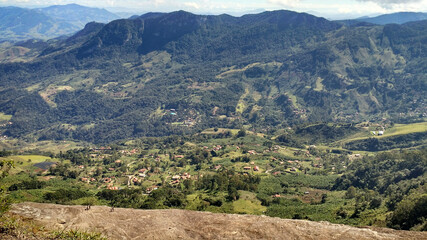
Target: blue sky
[[326, 8]]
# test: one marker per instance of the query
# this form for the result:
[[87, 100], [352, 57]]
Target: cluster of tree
[[397, 177], [325, 132], [64, 195], [230, 181], [30, 184]]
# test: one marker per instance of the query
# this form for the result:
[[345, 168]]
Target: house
[[276, 196], [217, 167], [179, 156], [247, 168], [176, 177], [256, 168], [175, 182], [185, 176], [152, 188], [252, 152], [380, 133]]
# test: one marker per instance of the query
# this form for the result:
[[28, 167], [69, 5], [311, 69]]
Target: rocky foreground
[[181, 224]]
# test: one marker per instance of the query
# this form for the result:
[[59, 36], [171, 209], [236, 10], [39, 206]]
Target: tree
[[410, 212], [324, 197], [88, 202], [351, 193], [5, 166], [241, 133]]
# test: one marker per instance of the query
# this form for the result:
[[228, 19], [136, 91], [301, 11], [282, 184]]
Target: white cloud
[[389, 1], [285, 3], [399, 5], [192, 5]]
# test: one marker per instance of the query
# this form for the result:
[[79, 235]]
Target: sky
[[334, 9]]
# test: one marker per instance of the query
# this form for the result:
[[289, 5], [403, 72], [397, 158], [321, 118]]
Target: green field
[[25, 162], [397, 129], [5, 117]]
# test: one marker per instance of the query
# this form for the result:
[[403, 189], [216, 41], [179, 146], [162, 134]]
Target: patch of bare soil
[[181, 224]]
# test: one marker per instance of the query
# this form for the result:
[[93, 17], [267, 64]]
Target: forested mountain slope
[[174, 73]]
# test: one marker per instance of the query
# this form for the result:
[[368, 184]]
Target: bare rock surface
[[182, 224]]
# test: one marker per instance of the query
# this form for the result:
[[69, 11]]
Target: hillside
[[179, 73], [172, 224], [18, 24]]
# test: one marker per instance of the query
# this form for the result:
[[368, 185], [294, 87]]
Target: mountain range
[[397, 18], [44, 23], [177, 73]]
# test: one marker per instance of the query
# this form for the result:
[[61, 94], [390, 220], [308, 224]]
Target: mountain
[[18, 24], [178, 73], [78, 15], [397, 18]]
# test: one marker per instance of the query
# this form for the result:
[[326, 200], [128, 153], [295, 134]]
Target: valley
[[232, 171], [278, 114]]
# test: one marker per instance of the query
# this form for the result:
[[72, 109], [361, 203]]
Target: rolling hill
[[177, 73]]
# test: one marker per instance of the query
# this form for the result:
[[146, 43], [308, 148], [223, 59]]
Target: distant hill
[[397, 18], [267, 71], [18, 24]]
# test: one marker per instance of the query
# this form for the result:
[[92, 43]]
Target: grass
[[319, 84], [54, 146], [5, 117], [24, 162], [220, 130], [397, 129], [248, 204], [241, 106], [19, 228], [293, 98]]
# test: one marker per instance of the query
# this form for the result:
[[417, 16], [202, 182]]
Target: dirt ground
[[181, 224]]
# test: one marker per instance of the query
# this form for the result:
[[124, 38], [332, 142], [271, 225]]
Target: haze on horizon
[[335, 9]]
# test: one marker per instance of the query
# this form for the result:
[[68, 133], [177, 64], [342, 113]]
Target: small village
[[150, 168]]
